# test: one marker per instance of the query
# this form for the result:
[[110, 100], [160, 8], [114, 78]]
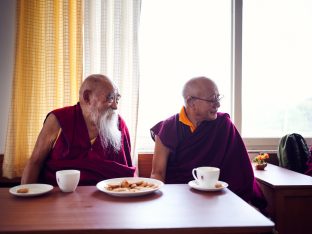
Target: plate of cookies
[[129, 186], [30, 190]]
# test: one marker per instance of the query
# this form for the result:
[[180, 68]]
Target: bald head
[[95, 83], [199, 87]]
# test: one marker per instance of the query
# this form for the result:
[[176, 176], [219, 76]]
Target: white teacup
[[206, 176], [68, 180]]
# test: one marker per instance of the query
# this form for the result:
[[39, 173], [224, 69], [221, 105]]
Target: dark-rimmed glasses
[[217, 99]]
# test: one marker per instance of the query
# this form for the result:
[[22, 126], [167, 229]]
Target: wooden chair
[[145, 164]]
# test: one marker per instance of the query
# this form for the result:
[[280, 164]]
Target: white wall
[[7, 44]]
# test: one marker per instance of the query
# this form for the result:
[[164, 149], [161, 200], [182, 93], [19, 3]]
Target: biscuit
[[23, 190]]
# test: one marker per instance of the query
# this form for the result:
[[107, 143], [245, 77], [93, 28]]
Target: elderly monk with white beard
[[89, 136]]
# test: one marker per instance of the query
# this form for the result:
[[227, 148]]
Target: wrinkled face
[[104, 115], [204, 100], [101, 102], [206, 107]]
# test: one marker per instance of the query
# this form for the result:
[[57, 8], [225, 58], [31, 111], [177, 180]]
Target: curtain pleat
[[47, 72], [111, 48]]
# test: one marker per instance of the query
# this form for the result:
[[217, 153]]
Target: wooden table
[[172, 209], [289, 195]]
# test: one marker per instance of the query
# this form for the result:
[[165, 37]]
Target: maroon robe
[[214, 143], [73, 150]]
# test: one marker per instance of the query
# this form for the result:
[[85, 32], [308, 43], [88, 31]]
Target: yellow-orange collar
[[185, 120]]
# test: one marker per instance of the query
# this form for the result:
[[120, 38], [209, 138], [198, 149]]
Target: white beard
[[107, 125]]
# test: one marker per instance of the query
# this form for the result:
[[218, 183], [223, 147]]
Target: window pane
[[277, 74], [180, 39]]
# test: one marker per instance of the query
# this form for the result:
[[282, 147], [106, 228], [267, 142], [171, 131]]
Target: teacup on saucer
[[206, 176]]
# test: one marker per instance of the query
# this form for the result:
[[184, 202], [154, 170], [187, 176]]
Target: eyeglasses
[[217, 99], [112, 97]]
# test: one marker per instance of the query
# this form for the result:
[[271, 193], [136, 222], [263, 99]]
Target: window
[[276, 68], [181, 39]]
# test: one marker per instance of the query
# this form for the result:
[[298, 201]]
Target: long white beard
[[108, 129]]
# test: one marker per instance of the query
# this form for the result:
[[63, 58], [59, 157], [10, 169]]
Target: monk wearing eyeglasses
[[201, 136], [89, 136]]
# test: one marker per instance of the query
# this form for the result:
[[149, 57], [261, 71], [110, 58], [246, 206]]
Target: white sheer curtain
[[111, 48]]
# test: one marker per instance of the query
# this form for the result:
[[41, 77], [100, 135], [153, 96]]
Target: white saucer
[[193, 184], [33, 190]]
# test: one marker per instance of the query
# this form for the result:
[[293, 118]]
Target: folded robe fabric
[[214, 143], [73, 150]]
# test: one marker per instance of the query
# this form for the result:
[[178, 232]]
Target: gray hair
[[197, 86], [95, 82]]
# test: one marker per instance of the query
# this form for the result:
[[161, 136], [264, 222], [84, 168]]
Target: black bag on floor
[[293, 153]]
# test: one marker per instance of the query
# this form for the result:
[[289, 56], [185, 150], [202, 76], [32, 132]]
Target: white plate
[[193, 184], [33, 189], [103, 184]]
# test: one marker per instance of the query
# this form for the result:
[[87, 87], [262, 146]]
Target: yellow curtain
[[47, 72]]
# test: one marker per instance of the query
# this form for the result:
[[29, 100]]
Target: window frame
[[252, 144]]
